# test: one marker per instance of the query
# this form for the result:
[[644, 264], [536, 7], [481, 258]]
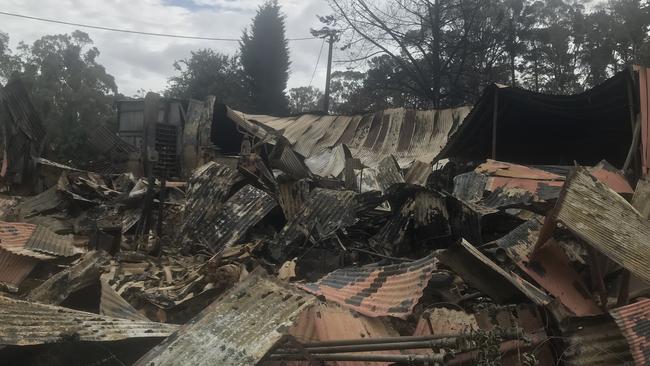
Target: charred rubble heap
[[391, 238]]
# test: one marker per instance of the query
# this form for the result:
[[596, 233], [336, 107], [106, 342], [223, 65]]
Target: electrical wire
[[317, 61], [133, 31]]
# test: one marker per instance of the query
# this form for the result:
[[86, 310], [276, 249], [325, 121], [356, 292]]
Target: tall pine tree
[[265, 58]]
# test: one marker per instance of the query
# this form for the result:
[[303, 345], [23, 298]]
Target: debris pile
[[335, 240]]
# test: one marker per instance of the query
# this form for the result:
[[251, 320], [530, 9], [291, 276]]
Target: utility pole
[[331, 35], [326, 103]]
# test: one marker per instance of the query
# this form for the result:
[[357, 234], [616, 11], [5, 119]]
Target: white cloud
[[145, 62]]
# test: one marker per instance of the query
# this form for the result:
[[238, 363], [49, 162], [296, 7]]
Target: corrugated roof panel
[[291, 196], [329, 209], [329, 162], [598, 215], [634, 322], [407, 134], [112, 304], [14, 269], [27, 323], [46, 241], [594, 341], [14, 236], [373, 290], [239, 328], [242, 211], [45, 201]]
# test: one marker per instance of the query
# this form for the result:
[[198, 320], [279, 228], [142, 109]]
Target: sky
[[140, 62]]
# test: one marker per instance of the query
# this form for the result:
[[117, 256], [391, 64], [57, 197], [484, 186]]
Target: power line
[[317, 61], [135, 32]]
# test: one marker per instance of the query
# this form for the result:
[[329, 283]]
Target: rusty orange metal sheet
[[14, 269], [644, 114], [329, 322], [14, 236], [509, 170], [551, 269], [611, 177], [634, 322], [377, 290]]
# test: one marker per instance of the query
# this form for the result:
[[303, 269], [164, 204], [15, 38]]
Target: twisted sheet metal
[[374, 290], [409, 135], [45, 240], [634, 322], [605, 220], [237, 329], [26, 323], [14, 236], [14, 269]]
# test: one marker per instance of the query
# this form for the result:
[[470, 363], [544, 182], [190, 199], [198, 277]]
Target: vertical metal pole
[[326, 102], [494, 123]]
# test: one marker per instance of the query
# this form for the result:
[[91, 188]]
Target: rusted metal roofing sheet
[[594, 341], [208, 188], [330, 322], [291, 196], [485, 275], [242, 211], [27, 323], [374, 290], [45, 240], [409, 135], [237, 329], [634, 322], [325, 210], [612, 177], [14, 269], [14, 236], [112, 304], [605, 220], [550, 268]]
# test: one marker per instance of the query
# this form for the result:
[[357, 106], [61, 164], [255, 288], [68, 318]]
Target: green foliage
[[265, 59], [305, 99], [207, 72], [70, 89]]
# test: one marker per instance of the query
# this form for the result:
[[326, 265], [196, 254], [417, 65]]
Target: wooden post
[[494, 123], [326, 102]]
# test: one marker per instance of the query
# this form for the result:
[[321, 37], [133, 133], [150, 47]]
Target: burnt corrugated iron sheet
[[550, 268], [388, 173], [237, 329], [594, 341], [329, 162], [285, 159], [106, 140], [14, 269], [112, 304], [27, 323], [374, 290], [291, 196], [22, 111], [409, 135], [418, 173], [634, 322], [239, 213], [46, 241], [208, 188], [43, 202], [605, 220], [325, 210], [14, 236]]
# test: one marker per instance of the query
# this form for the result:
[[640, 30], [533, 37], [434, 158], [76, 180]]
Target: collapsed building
[[512, 232]]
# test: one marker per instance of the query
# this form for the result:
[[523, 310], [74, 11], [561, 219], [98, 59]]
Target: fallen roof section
[[15, 235], [237, 329], [409, 135], [374, 290], [26, 323], [634, 322], [605, 220]]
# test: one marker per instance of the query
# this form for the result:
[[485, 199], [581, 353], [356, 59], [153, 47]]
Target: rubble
[[390, 238]]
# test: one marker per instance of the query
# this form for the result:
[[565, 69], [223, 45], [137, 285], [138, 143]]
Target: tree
[[265, 58], [304, 99], [9, 63], [207, 72], [72, 91]]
